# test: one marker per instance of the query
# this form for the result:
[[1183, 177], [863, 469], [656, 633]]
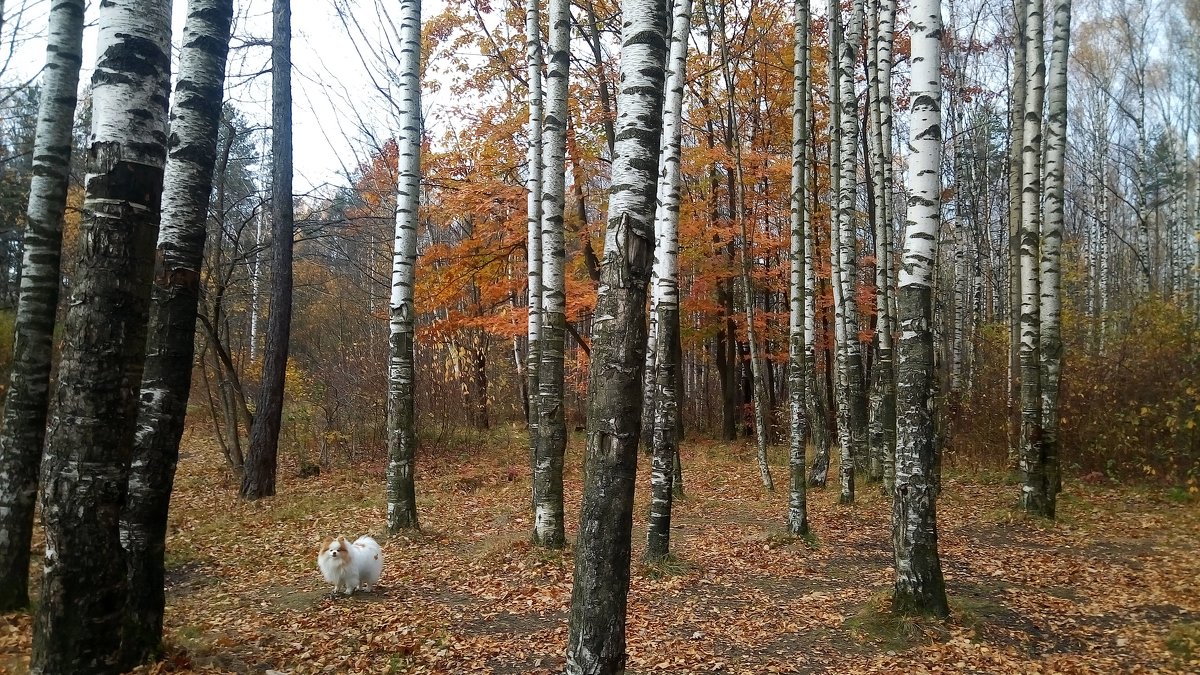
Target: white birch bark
[[1052, 234], [883, 397], [402, 434], [1016, 147], [167, 376], [665, 284], [1034, 496], [27, 398], [815, 388], [85, 467], [797, 515], [600, 591], [548, 524], [919, 585]]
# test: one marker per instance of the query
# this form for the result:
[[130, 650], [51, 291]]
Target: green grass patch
[[670, 566], [974, 612], [1184, 640], [1180, 495], [876, 623], [179, 556], [778, 537]]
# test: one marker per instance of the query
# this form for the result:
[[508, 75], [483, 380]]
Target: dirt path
[[1114, 586]]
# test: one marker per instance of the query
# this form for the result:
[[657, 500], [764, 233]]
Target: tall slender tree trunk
[[797, 516], [883, 397], [1052, 234], [258, 479], [533, 183], [1016, 146], [596, 640], [402, 424], [548, 525], [29, 380], [919, 587], [817, 403], [1035, 497], [666, 292], [856, 390], [167, 376], [91, 433], [757, 370]]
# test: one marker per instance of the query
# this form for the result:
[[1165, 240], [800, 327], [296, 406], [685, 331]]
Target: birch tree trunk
[[818, 410], [258, 479], [920, 587], [29, 380], [167, 376], [548, 527], [843, 260], [1015, 148], [856, 390], [534, 61], [596, 642], [1034, 496], [797, 516], [883, 397], [90, 437], [1052, 234], [402, 431], [666, 292]]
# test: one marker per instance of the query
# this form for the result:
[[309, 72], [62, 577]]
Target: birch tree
[[1016, 147], [91, 433], [533, 183], [852, 411], [920, 587], [1052, 235], [1034, 498], [883, 395], [401, 423], [29, 380], [596, 636], [817, 403], [797, 518], [666, 292], [258, 478], [548, 526], [167, 376]]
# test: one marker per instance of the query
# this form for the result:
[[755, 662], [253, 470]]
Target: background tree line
[[1061, 265]]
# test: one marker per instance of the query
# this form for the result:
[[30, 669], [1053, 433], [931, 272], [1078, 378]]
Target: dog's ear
[[324, 545]]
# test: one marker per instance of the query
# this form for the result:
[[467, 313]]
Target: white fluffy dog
[[350, 566]]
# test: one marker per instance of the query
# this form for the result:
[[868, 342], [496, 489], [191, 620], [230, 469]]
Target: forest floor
[[1112, 586]]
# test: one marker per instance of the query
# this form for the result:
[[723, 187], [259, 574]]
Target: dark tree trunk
[[596, 636], [479, 383], [91, 434], [258, 480], [29, 382], [167, 378], [727, 367]]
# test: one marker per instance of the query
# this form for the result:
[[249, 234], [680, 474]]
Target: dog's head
[[337, 550]]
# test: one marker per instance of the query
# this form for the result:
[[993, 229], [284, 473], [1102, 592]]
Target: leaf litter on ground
[[1112, 586]]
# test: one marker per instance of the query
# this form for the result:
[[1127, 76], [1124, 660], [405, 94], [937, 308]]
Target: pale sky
[[331, 91]]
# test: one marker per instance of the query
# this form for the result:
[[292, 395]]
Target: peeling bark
[[596, 640], [167, 377], [29, 381], [919, 585], [90, 436]]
